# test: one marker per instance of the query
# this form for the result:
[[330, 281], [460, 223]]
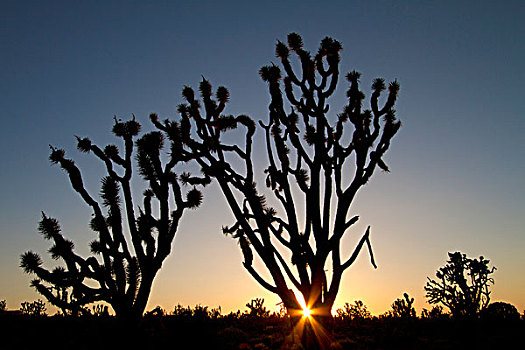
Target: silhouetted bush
[[199, 312], [500, 311], [168, 331], [36, 308], [436, 312], [354, 312], [256, 309], [156, 312], [100, 310], [403, 308]]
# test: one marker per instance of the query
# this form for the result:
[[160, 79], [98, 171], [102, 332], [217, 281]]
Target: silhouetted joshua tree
[[462, 285], [121, 270], [308, 164]]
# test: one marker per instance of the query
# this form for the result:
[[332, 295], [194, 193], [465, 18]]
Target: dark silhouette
[[204, 328], [403, 308], [99, 311], [500, 311], [354, 312], [158, 311], [35, 309], [436, 312], [117, 273], [462, 285], [309, 156], [256, 308]]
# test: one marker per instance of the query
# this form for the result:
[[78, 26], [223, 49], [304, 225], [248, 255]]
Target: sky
[[457, 180]]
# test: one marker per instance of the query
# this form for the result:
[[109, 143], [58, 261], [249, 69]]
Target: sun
[[307, 312]]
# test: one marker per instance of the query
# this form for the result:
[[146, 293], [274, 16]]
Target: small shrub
[[156, 312], [201, 312], [403, 308], [181, 311], [356, 311], [36, 308], [256, 309], [435, 313], [100, 310], [500, 311]]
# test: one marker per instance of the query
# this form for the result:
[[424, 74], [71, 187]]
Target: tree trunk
[[143, 294]]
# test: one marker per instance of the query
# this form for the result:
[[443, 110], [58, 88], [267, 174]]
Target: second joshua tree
[[120, 272]]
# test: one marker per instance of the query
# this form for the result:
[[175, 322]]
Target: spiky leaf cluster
[[110, 191], [111, 151], [271, 74], [95, 247], [61, 248], [126, 129], [30, 262], [56, 155], [83, 145], [148, 151], [49, 227], [194, 198]]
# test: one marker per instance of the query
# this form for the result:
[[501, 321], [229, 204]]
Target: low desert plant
[[36, 308], [435, 312], [402, 308], [356, 311]]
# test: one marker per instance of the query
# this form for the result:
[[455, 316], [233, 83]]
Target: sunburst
[[306, 312]]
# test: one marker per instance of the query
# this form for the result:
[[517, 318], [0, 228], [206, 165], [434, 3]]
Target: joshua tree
[[120, 271], [462, 285], [309, 156]]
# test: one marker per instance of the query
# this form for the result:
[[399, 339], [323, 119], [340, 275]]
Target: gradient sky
[[457, 178]]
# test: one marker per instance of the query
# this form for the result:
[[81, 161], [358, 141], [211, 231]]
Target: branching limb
[[259, 279], [353, 257]]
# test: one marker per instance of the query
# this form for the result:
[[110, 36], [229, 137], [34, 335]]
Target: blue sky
[[457, 165]]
